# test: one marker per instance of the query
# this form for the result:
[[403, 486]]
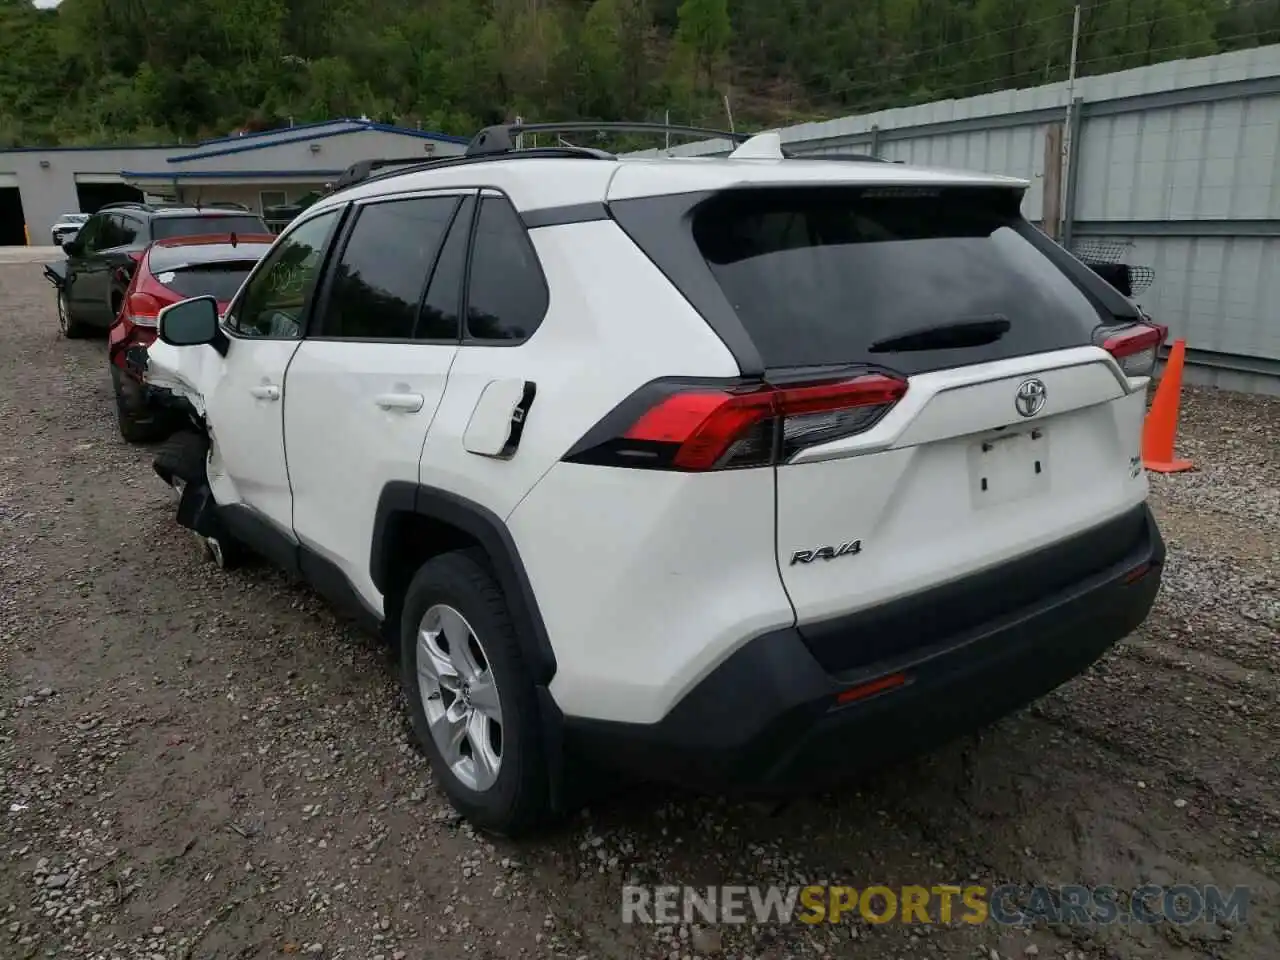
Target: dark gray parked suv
[[102, 256]]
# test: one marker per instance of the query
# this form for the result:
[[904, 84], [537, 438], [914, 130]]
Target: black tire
[[68, 326], [519, 799], [138, 422]]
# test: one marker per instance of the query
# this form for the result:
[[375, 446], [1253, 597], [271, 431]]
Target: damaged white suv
[[748, 472]]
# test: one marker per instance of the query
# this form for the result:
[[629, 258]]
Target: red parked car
[[169, 271]]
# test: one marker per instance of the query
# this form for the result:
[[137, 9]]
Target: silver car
[[67, 226]]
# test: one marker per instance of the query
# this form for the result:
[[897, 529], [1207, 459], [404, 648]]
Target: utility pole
[[1067, 145]]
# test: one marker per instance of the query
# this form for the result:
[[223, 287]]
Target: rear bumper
[[767, 720]]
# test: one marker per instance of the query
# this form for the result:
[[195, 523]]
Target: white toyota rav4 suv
[[748, 472]]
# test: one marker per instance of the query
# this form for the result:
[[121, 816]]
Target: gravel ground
[[203, 765]]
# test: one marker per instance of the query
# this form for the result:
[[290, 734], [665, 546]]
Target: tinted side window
[[272, 302], [126, 230], [507, 295], [90, 236], [383, 271], [109, 238], [441, 309]]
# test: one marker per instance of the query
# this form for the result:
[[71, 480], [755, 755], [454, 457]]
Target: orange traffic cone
[[1162, 419]]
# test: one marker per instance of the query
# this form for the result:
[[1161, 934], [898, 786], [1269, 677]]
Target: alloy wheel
[[460, 697]]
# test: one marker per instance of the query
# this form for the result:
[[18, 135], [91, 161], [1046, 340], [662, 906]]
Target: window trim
[[472, 197], [139, 228], [467, 339], [343, 212], [343, 237]]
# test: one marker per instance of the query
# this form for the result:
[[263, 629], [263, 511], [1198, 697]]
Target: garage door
[[12, 224]]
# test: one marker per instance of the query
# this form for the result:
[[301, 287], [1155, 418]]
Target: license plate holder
[[1008, 466]]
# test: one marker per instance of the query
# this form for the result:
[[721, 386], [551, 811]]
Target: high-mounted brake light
[[717, 428], [1133, 346], [142, 309]]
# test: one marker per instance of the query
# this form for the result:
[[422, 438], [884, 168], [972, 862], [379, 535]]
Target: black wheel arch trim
[[489, 530]]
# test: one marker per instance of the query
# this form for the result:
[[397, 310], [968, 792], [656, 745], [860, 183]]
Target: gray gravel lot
[[203, 765]]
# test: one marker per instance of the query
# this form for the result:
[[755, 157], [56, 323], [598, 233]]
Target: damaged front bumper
[[160, 371]]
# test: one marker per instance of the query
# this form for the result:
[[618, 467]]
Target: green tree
[[704, 32], [157, 70]]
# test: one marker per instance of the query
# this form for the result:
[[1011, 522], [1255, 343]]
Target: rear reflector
[[1137, 573], [872, 687], [1134, 346], [749, 425], [142, 309]]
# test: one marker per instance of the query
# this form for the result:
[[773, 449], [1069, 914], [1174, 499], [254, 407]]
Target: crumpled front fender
[[181, 371]]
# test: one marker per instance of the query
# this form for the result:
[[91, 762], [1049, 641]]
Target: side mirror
[[189, 323], [70, 248]]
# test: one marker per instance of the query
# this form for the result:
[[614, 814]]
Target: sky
[[47, 3]]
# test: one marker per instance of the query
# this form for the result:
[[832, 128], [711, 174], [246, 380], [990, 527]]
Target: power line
[[944, 77]]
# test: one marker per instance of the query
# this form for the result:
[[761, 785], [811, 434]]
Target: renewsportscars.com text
[[1007, 905]]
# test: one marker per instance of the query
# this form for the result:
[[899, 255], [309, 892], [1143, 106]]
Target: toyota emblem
[[1030, 397]]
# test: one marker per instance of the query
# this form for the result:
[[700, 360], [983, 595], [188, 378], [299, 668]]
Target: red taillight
[[142, 309], [702, 428], [1134, 347]]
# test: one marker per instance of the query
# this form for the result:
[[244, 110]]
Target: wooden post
[[1051, 202]]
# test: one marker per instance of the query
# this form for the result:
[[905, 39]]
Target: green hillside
[[96, 71]]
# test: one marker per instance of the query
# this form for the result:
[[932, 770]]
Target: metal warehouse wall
[[1181, 160]]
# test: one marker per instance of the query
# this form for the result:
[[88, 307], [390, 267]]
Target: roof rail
[[364, 170], [504, 137], [501, 142], [126, 205], [845, 157]]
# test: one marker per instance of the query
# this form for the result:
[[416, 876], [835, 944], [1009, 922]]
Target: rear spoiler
[[56, 273]]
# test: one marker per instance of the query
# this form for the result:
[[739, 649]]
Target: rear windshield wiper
[[973, 332]]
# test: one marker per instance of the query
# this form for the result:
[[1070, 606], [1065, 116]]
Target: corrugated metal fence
[[1177, 166]]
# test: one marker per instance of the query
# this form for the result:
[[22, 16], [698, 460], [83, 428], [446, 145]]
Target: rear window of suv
[[205, 269], [164, 228], [909, 278], [217, 280]]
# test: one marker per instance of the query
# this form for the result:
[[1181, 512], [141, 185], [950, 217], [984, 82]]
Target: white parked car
[[67, 226], [749, 473]]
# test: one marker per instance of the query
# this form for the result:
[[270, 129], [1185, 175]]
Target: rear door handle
[[406, 402], [268, 391]]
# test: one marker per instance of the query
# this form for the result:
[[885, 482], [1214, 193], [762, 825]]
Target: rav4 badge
[[846, 549]]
